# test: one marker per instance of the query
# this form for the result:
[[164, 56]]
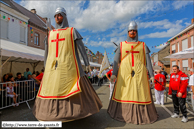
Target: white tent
[[187, 53], [17, 57]]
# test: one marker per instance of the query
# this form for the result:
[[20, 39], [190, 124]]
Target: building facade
[[35, 28], [96, 58], [14, 24], [164, 62], [154, 59], [180, 42]]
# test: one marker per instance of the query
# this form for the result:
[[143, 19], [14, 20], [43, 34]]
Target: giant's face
[[132, 33], [58, 18]]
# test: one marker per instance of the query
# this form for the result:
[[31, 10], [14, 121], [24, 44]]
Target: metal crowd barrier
[[25, 91]]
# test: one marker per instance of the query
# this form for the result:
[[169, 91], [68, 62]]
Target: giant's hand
[[152, 80], [112, 79]]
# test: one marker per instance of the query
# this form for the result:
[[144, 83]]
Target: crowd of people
[[179, 86], [98, 77], [15, 86], [95, 77]]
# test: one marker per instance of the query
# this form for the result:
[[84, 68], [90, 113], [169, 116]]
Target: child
[[12, 94]]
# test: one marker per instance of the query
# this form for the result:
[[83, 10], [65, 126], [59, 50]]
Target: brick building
[[164, 62], [99, 57], [96, 58], [180, 42], [37, 30]]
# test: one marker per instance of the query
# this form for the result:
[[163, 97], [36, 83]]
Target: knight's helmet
[[64, 24], [132, 26]]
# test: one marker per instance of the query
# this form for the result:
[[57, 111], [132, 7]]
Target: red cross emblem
[[57, 43], [132, 56]]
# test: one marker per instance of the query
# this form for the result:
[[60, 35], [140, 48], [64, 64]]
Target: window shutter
[[173, 47], [184, 44], [22, 34], [173, 63], [4, 29], [185, 63], [192, 41]]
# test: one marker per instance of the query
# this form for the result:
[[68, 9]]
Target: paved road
[[102, 120]]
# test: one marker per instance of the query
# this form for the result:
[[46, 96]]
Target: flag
[[105, 63]]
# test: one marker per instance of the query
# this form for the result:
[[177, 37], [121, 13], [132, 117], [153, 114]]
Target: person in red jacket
[[160, 84], [178, 90]]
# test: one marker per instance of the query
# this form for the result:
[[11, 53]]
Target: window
[[173, 49], [22, 34], [192, 41], [4, 29], [36, 39], [184, 44], [185, 65], [173, 63]]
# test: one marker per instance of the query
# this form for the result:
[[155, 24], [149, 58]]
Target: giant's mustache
[[132, 33]]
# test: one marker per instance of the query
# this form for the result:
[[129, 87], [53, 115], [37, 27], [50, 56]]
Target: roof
[[44, 20], [10, 4], [164, 62], [168, 45], [34, 18], [183, 31]]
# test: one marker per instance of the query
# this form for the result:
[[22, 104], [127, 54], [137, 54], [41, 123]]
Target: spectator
[[164, 73], [108, 75], [160, 84], [34, 76], [178, 90], [19, 77], [36, 82], [100, 78], [191, 84], [155, 72], [40, 76], [10, 74], [5, 78], [97, 72], [90, 75], [37, 73], [12, 94], [95, 75], [11, 79], [31, 82], [27, 73]]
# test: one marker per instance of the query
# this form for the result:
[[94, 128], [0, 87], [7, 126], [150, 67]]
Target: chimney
[[192, 21], [45, 18], [33, 11]]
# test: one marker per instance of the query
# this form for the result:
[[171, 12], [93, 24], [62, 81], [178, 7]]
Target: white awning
[[23, 53], [11, 49], [187, 53]]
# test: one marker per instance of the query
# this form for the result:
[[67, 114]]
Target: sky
[[102, 22]]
